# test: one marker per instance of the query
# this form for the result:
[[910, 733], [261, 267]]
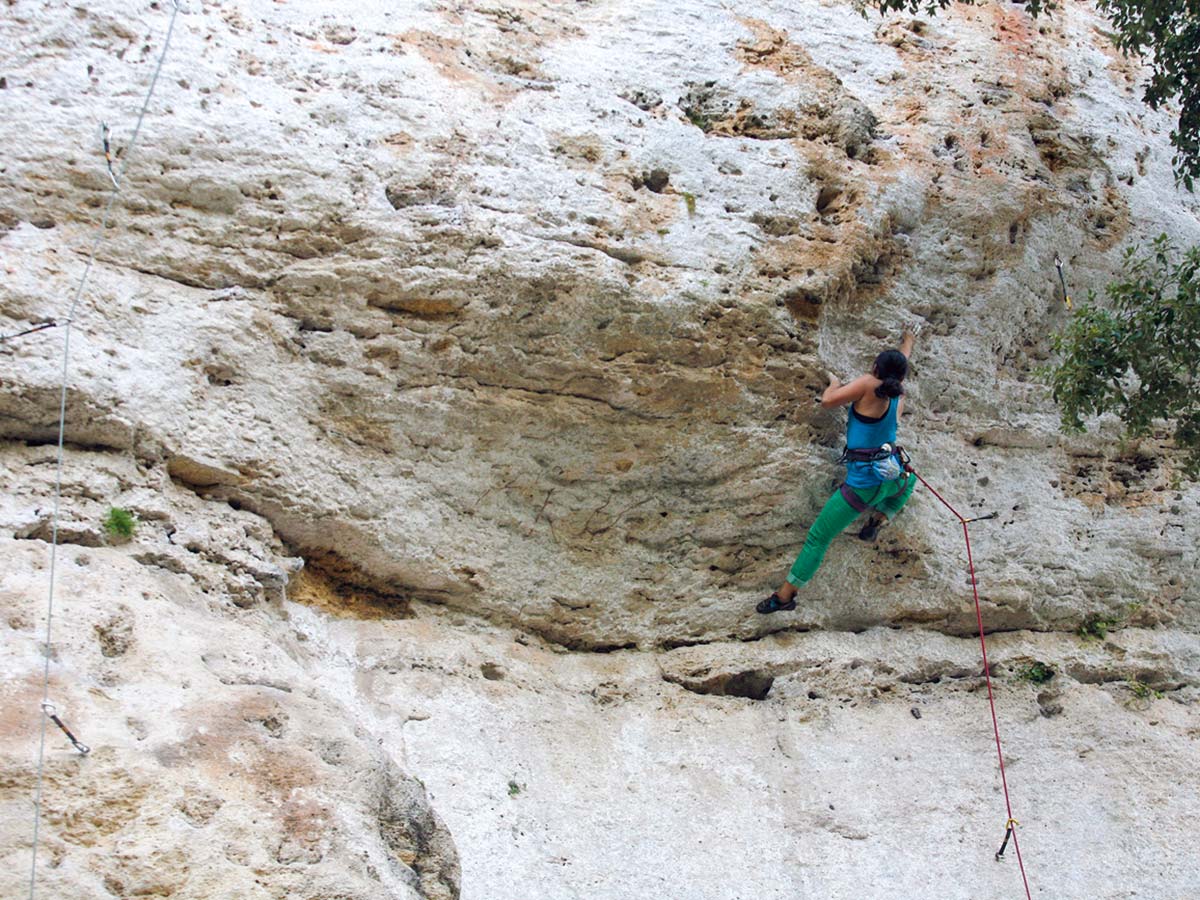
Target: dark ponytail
[[890, 367]]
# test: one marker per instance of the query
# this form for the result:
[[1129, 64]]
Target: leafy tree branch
[[1140, 356]]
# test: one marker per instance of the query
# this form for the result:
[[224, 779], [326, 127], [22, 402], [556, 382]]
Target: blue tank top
[[863, 433]]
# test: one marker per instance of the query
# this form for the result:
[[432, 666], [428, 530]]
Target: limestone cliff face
[[432, 326]]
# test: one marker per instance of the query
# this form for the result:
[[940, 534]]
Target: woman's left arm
[[838, 394]]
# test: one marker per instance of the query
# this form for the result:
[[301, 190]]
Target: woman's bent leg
[[834, 517], [893, 504]]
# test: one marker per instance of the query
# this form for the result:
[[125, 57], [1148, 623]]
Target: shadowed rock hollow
[[435, 343]]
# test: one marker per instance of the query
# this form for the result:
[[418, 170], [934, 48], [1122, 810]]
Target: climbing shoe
[[774, 604], [871, 529]]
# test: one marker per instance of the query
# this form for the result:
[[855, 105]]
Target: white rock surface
[[589, 776], [510, 318]]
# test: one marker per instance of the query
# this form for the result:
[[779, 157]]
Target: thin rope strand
[[62, 419], [987, 675]]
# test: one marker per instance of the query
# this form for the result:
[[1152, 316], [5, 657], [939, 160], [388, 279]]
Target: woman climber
[[875, 477]]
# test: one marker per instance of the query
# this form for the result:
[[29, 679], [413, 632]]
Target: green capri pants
[[889, 498]]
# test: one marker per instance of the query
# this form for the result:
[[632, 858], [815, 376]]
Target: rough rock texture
[[222, 765], [475, 320], [412, 296], [594, 775]]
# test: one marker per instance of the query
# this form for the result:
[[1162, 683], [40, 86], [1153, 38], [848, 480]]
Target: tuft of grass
[[1143, 692], [690, 200], [1036, 673], [513, 789], [1141, 695], [699, 119], [1096, 628], [120, 522]]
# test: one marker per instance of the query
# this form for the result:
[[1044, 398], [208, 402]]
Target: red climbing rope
[[1010, 826]]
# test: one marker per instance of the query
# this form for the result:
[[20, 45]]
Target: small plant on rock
[[1143, 694], [120, 523], [1096, 628], [699, 119], [513, 789], [1036, 673]]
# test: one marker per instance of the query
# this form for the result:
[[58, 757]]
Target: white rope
[[62, 419]]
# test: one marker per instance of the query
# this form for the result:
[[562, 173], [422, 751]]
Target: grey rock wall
[[509, 320]]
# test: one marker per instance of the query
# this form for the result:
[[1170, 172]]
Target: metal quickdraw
[[110, 158], [1008, 832], [34, 330], [983, 518], [52, 714], [1058, 264]]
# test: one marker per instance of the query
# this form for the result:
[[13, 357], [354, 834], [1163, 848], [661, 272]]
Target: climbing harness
[[868, 454], [116, 177], [853, 499], [1011, 825], [886, 464], [1058, 264], [52, 713]]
